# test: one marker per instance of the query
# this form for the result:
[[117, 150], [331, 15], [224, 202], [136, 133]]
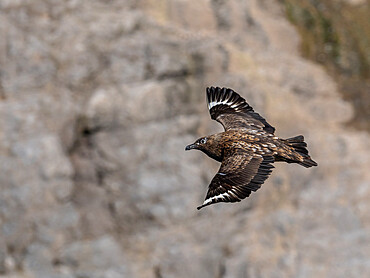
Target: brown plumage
[[246, 149]]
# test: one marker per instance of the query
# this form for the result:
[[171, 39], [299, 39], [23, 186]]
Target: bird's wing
[[240, 174], [233, 112]]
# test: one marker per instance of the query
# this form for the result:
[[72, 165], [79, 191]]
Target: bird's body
[[246, 149], [252, 141]]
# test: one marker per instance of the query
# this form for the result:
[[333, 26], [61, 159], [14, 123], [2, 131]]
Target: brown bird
[[246, 149]]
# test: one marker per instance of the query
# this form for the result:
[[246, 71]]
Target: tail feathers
[[308, 162], [300, 147], [298, 144]]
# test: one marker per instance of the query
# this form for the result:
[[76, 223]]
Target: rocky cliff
[[98, 100]]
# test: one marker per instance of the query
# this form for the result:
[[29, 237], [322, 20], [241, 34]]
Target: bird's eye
[[203, 140]]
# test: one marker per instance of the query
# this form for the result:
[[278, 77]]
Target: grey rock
[[97, 102], [100, 254]]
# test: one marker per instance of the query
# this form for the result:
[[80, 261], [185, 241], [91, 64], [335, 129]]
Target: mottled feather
[[246, 149], [232, 111], [240, 173]]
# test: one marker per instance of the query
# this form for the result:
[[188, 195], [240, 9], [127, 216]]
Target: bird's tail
[[300, 147]]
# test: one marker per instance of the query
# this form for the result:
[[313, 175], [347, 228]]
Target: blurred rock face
[[98, 100], [336, 35]]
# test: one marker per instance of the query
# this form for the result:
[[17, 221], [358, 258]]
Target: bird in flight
[[246, 149]]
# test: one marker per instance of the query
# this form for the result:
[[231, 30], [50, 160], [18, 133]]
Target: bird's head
[[200, 144], [209, 145]]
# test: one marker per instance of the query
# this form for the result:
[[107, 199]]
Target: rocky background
[[97, 102]]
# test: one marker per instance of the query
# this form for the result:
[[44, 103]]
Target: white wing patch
[[220, 197], [215, 103]]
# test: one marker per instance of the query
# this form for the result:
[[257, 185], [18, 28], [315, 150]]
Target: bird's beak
[[190, 147]]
